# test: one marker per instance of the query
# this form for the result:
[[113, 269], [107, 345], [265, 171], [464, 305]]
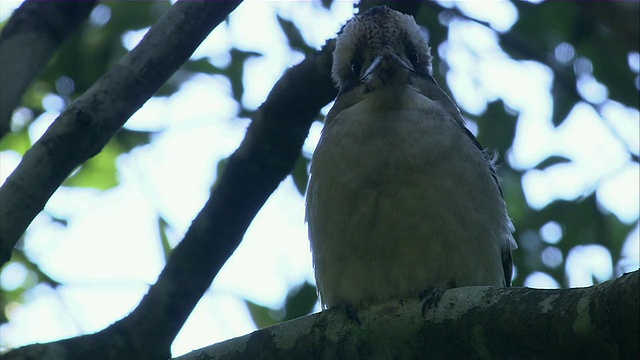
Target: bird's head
[[380, 47]]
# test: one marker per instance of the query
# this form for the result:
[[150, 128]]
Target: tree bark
[[28, 41], [86, 126], [265, 157], [598, 322]]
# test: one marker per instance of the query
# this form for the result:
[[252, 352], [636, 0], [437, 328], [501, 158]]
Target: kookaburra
[[402, 197]]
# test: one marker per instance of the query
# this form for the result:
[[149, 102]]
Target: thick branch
[[599, 322], [265, 157], [28, 41], [92, 119]]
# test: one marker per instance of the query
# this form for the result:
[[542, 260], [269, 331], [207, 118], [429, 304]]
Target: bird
[[401, 196]]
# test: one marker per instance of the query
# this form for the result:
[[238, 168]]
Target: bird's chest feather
[[379, 170], [395, 196]]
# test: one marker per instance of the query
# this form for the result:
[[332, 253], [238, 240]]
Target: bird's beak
[[385, 64]]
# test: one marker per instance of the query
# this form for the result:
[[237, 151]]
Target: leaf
[[326, 4], [551, 161], [260, 314], [564, 99], [130, 139], [222, 164], [137, 14], [514, 196], [600, 38], [300, 174], [202, 66], [295, 38], [62, 221], [300, 301], [235, 71], [17, 141], [497, 127], [93, 50], [99, 172], [163, 226]]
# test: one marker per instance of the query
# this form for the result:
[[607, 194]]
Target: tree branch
[[599, 322], [92, 119], [28, 41], [265, 157]]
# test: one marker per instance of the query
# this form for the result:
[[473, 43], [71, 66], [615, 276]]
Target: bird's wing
[[507, 260]]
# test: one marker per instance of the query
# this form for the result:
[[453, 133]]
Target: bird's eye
[[414, 57], [356, 67]]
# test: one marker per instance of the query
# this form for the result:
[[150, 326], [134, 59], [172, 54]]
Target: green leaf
[[90, 52], [222, 164], [235, 71], [300, 301], [514, 196], [130, 139], [163, 226], [137, 14], [551, 161], [300, 174], [564, 99], [99, 172], [496, 127], [260, 315], [18, 141], [202, 66], [62, 221], [326, 4], [296, 41]]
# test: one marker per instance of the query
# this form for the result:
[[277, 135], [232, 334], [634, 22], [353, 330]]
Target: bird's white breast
[[400, 200]]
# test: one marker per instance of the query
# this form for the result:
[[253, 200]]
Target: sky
[[173, 174]]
